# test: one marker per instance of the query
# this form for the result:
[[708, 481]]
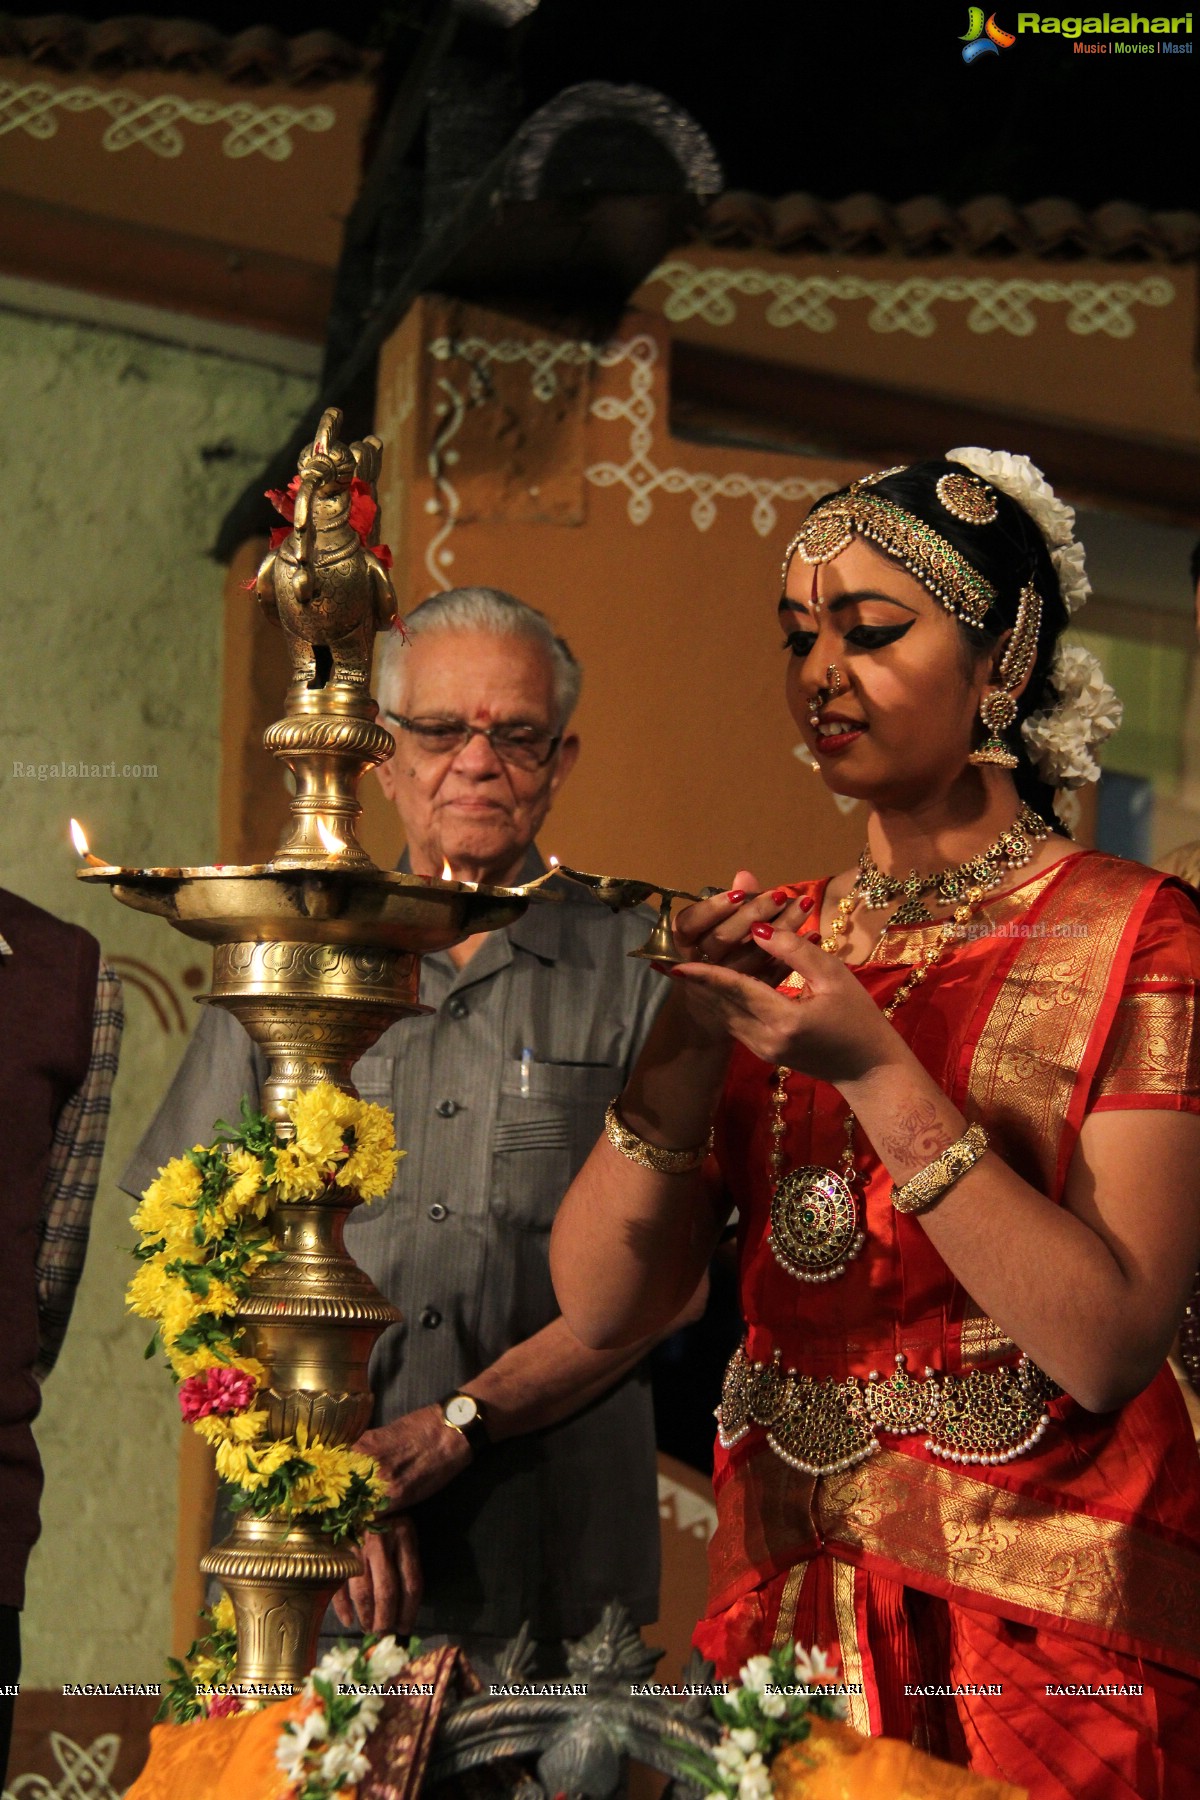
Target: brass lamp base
[[280, 1577]]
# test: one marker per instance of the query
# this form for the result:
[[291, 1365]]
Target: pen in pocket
[[526, 1065]]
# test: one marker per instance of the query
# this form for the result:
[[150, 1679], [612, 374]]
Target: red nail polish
[[780, 896], [762, 931], [736, 896], [806, 905]]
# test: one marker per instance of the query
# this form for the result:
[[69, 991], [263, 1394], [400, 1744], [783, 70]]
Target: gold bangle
[[938, 1177], [651, 1156]]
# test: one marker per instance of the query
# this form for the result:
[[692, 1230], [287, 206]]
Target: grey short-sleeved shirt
[[548, 1526]]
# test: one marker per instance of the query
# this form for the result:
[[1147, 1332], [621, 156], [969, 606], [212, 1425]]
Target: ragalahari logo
[[984, 38]]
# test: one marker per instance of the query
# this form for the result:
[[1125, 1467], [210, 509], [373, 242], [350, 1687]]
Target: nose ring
[[833, 680]]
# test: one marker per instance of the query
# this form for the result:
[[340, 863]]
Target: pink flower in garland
[[221, 1705], [216, 1390]]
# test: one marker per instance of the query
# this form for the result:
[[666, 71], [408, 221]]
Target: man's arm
[[72, 1174], [537, 1383]]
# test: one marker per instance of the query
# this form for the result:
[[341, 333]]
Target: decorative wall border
[[153, 121], [906, 305], [85, 1773], [639, 473]]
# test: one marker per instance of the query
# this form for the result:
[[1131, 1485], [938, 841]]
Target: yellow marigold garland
[[203, 1237]]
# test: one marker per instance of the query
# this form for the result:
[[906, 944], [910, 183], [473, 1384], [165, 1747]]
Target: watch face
[[460, 1410]]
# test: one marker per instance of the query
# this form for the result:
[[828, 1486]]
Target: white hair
[[480, 609]]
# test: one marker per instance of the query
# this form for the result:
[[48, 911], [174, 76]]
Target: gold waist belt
[[820, 1427]]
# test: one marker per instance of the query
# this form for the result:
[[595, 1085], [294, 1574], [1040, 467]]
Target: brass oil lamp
[[315, 952]]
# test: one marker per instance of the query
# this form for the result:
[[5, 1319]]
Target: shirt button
[[431, 1318], [446, 1109], [437, 1210], [457, 1008]]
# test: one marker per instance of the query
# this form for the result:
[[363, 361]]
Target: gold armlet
[[651, 1156], [938, 1177]]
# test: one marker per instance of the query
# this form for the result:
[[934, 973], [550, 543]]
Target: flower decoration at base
[[204, 1235], [323, 1752], [200, 1678], [773, 1705]]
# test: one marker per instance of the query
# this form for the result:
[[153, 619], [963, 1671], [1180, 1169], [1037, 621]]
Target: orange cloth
[[834, 1763], [217, 1759]]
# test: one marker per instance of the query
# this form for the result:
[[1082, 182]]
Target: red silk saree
[[1066, 1556]]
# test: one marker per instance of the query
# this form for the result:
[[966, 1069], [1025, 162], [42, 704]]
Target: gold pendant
[[814, 1224]]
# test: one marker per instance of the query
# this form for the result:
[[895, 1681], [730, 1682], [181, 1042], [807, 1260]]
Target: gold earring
[[997, 710]]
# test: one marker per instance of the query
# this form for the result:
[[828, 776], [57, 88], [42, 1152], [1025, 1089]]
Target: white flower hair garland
[[1061, 738]]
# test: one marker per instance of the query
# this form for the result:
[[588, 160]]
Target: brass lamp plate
[[364, 906]]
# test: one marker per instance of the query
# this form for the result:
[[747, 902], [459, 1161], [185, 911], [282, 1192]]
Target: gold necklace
[[815, 1218], [1012, 850]]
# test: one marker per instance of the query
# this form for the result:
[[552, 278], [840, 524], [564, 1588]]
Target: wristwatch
[[464, 1414]]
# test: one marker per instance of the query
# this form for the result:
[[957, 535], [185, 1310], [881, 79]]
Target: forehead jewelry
[[831, 527]]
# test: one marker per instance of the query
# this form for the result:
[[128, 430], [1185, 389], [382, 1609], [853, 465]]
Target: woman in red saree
[[959, 1127]]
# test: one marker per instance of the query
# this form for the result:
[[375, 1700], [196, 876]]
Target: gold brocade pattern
[[1026, 1064], [1020, 1551], [846, 1613], [824, 1427], [981, 1340], [1153, 1048], [785, 1624]]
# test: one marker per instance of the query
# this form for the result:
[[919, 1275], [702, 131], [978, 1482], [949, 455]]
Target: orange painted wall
[[1109, 345]]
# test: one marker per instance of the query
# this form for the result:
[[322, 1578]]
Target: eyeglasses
[[521, 746]]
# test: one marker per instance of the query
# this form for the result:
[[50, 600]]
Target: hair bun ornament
[[967, 499], [1024, 482], [1062, 737]]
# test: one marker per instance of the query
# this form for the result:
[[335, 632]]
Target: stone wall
[[124, 451]]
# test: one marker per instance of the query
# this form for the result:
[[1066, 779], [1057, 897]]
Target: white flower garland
[[1061, 738], [323, 1751], [771, 1707]]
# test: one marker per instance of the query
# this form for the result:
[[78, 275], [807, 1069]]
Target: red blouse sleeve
[[1152, 1056]]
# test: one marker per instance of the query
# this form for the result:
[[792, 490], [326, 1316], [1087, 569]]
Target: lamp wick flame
[[447, 871], [554, 862], [79, 839], [329, 839]]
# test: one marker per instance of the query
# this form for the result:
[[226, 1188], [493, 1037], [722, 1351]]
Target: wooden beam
[[163, 268], [780, 407]]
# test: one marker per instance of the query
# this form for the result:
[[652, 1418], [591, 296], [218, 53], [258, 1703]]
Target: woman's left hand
[[829, 1028]]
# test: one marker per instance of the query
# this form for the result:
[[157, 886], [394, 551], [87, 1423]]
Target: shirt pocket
[[548, 1117]]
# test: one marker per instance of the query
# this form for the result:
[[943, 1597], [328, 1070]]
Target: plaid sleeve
[[73, 1172]]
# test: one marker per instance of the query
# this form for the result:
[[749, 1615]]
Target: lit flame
[[447, 871], [330, 839], [554, 862], [79, 839]]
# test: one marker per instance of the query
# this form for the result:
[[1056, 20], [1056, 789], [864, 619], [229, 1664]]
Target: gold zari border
[[846, 1613], [1027, 1061], [1097, 1574], [1152, 1049]]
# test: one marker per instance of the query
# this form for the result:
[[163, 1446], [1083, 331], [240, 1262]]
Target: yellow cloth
[[835, 1763]]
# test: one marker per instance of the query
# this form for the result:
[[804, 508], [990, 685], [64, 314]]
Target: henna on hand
[[915, 1138]]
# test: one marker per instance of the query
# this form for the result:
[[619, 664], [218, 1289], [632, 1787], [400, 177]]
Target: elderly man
[[520, 1464]]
